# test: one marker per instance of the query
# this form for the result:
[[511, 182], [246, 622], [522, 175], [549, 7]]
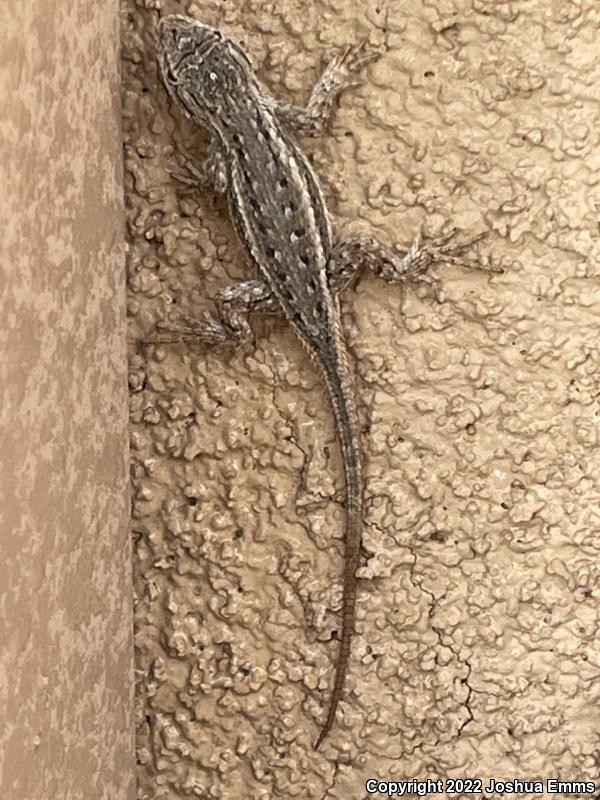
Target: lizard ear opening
[[169, 75], [166, 71]]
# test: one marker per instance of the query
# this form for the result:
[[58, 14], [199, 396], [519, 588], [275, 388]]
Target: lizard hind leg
[[231, 328], [399, 266]]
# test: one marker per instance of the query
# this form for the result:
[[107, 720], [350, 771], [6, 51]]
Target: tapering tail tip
[[327, 725], [338, 379], [319, 741]]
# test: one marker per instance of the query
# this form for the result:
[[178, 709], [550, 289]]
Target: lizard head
[[201, 68]]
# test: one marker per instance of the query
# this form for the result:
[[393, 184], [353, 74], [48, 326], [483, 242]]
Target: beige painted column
[[65, 589]]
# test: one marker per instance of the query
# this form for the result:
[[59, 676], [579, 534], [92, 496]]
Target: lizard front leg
[[211, 173], [231, 328], [338, 75], [397, 266]]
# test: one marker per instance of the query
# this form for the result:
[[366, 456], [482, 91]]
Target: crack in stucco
[[445, 641]]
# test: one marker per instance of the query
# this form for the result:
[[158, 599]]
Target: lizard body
[[282, 221]]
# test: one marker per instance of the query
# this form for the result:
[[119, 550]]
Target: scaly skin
[[280, 215]]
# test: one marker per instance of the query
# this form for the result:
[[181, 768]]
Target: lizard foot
[[342, 70], [203, 330]]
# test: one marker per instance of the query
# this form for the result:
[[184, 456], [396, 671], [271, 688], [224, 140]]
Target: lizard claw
[[444, 249], [350, 61], [188, 329], [187, 182]]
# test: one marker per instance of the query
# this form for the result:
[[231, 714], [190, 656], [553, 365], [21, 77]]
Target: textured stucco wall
[[66, 670], [476, 652]]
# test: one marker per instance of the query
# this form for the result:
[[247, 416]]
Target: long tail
[[340, 385]]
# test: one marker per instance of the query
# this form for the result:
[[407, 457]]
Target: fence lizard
[[280, 216]]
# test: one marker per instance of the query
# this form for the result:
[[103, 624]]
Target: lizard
[[279, 213]]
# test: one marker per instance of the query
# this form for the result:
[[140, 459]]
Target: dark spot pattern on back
[[280, 216]]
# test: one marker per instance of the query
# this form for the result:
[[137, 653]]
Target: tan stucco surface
[[65, 586], [477, 651]]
